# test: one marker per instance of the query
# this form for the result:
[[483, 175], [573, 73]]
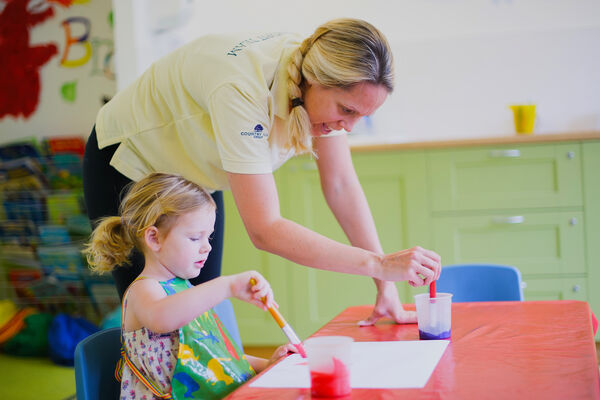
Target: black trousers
[[103, 190]]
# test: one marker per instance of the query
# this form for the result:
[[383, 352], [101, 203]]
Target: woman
[[225, 111]]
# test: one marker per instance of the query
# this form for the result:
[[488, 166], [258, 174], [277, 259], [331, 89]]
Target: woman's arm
[[346, 199], [257, 201]]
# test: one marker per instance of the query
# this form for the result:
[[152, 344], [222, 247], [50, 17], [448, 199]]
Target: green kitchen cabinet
[[538, 243], [591, 203], [570, 288], [515, 205], [501, 177], [535, 206]]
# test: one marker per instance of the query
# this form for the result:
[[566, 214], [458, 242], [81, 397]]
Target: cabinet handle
[[576, 288], [573, 221], [570, 155], [513, 153], [515, 219]]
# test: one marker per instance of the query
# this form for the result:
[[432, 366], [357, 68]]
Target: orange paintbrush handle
[[276, 316], [285, 327]]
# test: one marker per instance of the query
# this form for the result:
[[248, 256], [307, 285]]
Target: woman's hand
[[417, 265], [388, 305], [260, 293]]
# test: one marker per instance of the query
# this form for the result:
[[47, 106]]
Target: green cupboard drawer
[[555, 289], [536, 243], [505, 177]]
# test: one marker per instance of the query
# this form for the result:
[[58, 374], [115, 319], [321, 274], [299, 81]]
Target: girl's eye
[[347, 110], [194, 239]]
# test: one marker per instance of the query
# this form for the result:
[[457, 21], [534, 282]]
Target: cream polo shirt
[[204, 110]]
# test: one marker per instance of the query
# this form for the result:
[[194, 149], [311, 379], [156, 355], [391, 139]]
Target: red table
[[499, 350]]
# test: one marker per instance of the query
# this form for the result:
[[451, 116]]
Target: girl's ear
[[152, 238]]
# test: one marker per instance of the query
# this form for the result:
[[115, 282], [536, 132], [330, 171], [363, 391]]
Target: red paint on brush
[[300, 349], [334, 384]]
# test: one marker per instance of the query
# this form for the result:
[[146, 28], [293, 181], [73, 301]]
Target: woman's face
[[336, 108]]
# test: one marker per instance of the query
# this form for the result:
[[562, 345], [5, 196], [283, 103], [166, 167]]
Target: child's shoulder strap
[[125, 357]]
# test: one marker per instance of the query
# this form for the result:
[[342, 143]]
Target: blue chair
[[96, 358], [481, 282]]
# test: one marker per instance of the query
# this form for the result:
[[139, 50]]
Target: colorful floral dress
[[199, 361]]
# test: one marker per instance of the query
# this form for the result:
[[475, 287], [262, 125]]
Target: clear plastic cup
[[434, 316], [329, 359]]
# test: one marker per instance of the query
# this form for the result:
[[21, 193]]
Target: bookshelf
[[43, 226]]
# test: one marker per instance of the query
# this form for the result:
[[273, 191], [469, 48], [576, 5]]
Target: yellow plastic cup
[[524, 118]]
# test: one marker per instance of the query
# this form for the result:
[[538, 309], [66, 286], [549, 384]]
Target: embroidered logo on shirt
[[258, 132], [246, 43]]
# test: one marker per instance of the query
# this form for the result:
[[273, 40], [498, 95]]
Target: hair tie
[[297, 102]]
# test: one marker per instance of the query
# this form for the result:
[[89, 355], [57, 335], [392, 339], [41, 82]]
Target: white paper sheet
[[394, 365]]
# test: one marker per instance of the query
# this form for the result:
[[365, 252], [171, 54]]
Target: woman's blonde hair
[[156, 200], [340, 53]]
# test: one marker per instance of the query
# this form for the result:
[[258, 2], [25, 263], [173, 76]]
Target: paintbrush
[[285, 327]]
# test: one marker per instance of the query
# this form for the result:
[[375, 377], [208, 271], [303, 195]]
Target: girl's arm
[[259, 364], [150, 307]]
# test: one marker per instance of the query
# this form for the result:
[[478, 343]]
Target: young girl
[[174, 343]]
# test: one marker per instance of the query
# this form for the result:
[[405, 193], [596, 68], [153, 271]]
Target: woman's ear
[[152, 238]]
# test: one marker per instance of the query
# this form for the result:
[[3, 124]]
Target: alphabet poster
[[57, 66]]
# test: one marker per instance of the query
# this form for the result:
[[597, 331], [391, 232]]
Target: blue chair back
[[97, 355], [481, 282]]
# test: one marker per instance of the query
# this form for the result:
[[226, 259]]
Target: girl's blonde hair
[[340, 53], [156, 200]]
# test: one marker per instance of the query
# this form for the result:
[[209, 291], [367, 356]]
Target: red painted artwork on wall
[[20, 80]]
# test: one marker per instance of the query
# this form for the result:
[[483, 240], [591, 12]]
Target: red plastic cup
[[329, 360]]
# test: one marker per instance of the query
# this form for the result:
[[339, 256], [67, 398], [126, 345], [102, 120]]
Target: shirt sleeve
[[241, 123]]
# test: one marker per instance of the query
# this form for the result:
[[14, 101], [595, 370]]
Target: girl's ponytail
[[109, 245]]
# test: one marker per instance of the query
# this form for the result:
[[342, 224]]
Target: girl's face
[[335, 108], [185, 248]]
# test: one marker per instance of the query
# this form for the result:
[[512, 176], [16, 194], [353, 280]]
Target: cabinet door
[[591, 175], [394, 184], [506, 177], [538, 243], [555, 289]]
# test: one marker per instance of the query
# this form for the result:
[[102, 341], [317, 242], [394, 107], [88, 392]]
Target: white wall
[[459, 63]]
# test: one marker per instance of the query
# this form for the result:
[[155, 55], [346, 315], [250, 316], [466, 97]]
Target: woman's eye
[[194, 239], [347, 110]]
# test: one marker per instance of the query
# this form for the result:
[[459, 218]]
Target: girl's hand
[[417, 265], [281, 351], [260, 294]]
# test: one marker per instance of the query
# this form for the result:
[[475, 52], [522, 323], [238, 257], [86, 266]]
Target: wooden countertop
[[503, 140]]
